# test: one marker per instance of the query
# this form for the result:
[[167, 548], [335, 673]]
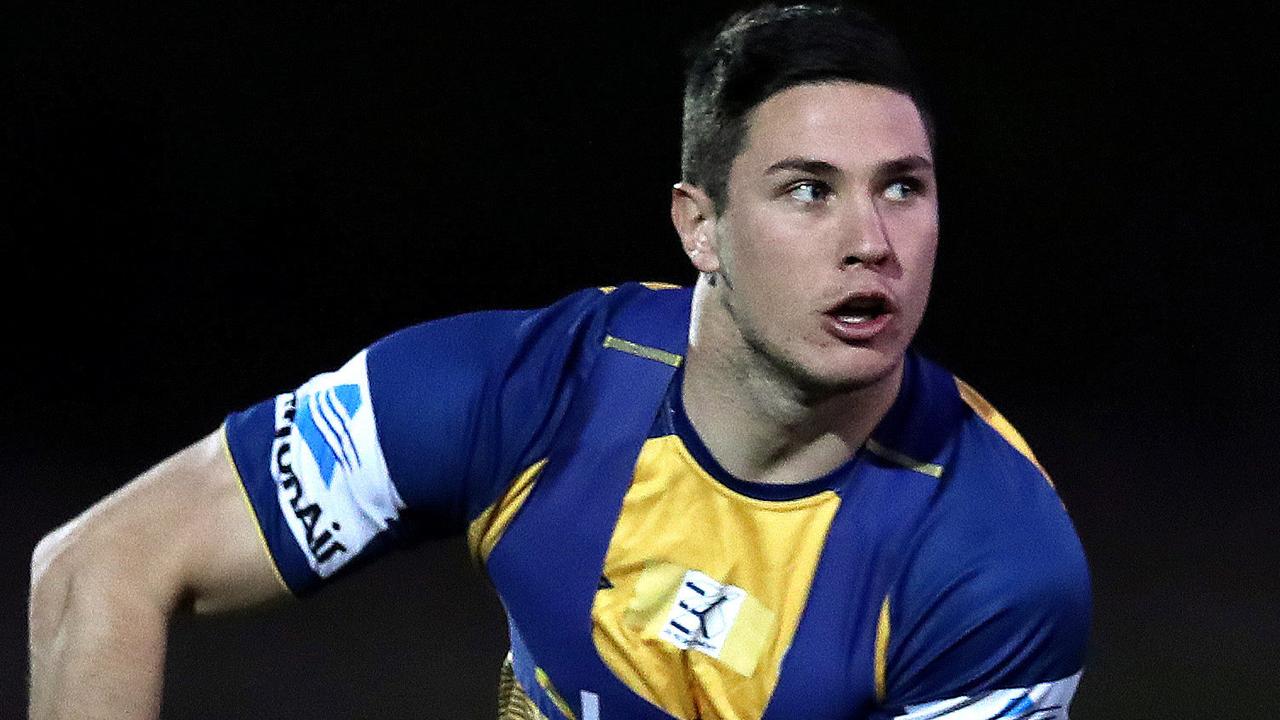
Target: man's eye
[[901, 189], [809, 191]]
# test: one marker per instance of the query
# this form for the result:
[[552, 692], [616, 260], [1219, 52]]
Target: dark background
[[206, 203]]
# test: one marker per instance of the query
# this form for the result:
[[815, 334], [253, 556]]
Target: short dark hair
[[758, 53]]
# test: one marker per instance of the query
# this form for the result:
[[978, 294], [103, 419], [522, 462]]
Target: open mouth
[[860, 310]]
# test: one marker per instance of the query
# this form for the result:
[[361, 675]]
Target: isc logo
[[702, 614]]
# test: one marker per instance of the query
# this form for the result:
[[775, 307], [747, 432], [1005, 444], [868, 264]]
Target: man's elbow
[[82, 570], [51, 572]]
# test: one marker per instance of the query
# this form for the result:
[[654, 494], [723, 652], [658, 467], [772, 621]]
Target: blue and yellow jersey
[[933, 575]]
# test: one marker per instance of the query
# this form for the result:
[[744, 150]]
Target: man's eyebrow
[[804, 165], [909, 163]]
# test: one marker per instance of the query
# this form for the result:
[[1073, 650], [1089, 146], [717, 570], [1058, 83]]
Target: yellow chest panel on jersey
[[703, 587]]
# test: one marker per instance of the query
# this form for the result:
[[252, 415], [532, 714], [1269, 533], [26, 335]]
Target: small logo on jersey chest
[[703, 613]]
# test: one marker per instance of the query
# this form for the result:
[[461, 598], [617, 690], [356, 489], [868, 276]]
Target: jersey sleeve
[[992, 619], [410, 438]]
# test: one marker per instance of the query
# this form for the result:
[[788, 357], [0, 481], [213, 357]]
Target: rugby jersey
[[935, 574]]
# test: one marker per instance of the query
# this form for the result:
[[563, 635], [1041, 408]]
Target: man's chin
[[866, 370]]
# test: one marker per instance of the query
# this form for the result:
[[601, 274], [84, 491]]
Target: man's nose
[[865, 238]]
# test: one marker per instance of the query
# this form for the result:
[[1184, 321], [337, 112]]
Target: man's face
[[826, 244]]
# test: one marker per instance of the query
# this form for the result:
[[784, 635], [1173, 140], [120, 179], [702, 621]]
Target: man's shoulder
[[656, 302], [995, 475], [975, 449], [996, 517], [649, 309], [997, 577]]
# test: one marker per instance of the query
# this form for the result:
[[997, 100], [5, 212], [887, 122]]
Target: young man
[[746, 500]]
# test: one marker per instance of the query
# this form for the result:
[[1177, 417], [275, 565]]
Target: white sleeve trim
[[1044, 701]]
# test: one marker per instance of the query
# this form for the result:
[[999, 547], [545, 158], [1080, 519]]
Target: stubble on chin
[[764, 360], [785, 364]]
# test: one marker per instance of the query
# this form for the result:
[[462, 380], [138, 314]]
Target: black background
[[206, 203]]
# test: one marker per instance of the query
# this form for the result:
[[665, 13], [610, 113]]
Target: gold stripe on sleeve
[[485, 531], [897, 458], [253, 513], [644, 351], [606, 289], [997, 421], [882, 650]]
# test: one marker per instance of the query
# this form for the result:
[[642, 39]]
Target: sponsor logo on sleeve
[[331, 478], [325, 545], [323, 419]]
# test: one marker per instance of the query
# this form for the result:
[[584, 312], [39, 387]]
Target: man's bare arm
[[104, 585]]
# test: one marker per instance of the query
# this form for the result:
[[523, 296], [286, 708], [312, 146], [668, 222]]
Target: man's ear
[[693, 214]]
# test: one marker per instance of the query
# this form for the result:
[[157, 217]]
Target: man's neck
[[760, 425]]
